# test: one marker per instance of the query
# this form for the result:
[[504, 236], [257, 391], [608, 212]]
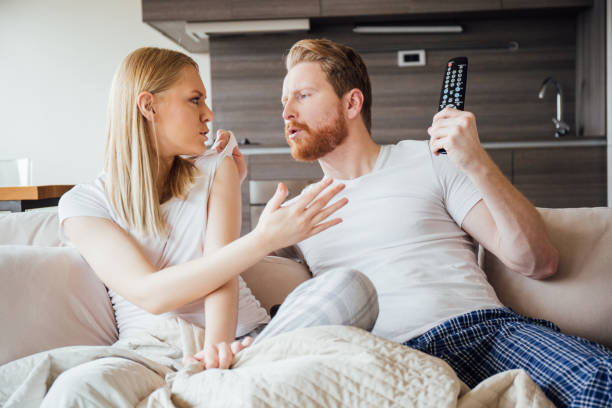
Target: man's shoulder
[[407, 152]]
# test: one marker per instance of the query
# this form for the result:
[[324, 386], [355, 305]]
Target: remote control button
[[458, 89], [450, 99], [446, 91], [450, 105], [444, 96]]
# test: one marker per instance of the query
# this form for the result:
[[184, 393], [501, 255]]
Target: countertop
[[249, 150]]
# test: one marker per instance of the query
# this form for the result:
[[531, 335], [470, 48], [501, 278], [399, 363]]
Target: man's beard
[[317, 142]]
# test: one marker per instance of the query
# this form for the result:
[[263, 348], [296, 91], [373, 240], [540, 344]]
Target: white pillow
[[50, 297], [250, 312], [30, 228]]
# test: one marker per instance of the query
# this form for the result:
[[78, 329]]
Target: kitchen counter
[[249, 150]]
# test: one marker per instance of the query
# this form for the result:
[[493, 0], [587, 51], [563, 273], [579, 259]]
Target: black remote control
[[453, 86]]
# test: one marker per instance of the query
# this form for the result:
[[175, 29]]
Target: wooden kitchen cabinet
[[531, 4], [503, 160], [334, 8], [224, 10], [562, 177], [270, 9], [186, 10]]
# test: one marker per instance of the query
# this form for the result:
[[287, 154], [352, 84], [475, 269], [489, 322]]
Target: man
[[409, 224]]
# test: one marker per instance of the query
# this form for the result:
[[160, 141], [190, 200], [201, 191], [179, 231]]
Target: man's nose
[[288, 111]]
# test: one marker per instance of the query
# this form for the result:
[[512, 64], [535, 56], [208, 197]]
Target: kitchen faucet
[[561, 128]]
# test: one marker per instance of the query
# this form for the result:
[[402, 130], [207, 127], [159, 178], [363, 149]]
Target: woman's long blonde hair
[[131, 150]]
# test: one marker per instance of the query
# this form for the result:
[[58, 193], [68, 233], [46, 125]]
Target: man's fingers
[[445, 113]]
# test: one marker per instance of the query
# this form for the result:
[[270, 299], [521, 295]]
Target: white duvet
[[328, 366]]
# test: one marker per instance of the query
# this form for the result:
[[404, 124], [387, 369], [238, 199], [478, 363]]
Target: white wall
[[57, 59]]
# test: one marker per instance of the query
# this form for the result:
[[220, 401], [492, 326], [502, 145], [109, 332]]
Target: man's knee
[[358, 291]]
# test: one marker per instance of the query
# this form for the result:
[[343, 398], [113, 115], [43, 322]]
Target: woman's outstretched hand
[[281, 226], [218, 355]]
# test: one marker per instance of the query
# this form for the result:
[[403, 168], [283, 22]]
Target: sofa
[[49, 293]]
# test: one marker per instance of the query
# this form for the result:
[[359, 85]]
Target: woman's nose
[[207, 115]]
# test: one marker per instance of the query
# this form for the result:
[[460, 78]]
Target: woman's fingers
[[322, 227], [238, 346], [223, 137], [329, 210], [211, 357], [322, 201], [225, 355], [277, 199], [312, 192]]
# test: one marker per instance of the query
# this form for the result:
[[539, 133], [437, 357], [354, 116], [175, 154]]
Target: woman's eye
[[302, 96], [195, 100]]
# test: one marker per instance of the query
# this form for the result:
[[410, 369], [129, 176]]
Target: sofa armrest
[[577, 298]]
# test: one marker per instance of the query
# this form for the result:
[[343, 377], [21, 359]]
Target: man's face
[[314, 118]]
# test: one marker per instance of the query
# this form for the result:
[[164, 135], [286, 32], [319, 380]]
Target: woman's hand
[[223, 137], [218, 355], [280, 227]]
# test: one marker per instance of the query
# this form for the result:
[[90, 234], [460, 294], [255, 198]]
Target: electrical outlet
[[411, 58]]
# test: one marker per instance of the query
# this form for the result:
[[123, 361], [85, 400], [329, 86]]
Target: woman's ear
[[145, 104], [353, 102]]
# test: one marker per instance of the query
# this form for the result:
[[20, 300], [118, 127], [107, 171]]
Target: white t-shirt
[[187, 219], [401, 228]]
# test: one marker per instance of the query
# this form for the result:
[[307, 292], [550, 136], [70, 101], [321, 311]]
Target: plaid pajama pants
[[573, 372]]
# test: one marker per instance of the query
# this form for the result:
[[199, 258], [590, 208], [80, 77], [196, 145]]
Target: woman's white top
[[187, 219]]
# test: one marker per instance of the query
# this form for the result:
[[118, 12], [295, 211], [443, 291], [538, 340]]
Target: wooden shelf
[[33, 192]]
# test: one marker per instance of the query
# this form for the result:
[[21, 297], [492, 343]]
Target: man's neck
[[355, 157]]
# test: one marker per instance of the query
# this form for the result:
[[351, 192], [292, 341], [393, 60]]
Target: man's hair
[[131, 151], [344, 68]]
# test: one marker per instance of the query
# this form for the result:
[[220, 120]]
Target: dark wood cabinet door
[[562, 177], [223, 10], [503, 160], [530, 4], [186, 10], [264, 9], [385, 7]]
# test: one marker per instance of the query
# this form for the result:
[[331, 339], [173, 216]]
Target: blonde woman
[[160, 227]]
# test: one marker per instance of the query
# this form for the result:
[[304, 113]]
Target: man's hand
[[455, 131], [218, 355], [223, 137]]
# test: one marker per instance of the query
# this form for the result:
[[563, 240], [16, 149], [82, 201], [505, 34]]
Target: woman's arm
[[223, 227], [119, 262]]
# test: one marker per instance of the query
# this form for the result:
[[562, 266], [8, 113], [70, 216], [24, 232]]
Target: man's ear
[[145, 104], [353, 102]]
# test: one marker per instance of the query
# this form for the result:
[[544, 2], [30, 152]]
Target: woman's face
[[182, 116]]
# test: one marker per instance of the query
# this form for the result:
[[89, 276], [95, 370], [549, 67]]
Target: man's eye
[[302, 96], [195, 100]]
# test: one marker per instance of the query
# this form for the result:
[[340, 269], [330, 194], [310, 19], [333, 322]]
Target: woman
[[160, 226]]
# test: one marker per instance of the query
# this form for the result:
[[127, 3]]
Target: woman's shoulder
[[85, 199]]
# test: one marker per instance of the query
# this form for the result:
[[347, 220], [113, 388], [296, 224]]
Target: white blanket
[[316, 367]]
